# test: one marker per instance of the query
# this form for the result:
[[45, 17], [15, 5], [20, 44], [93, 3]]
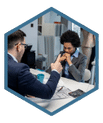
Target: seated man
[[19, 77], [73, 62]]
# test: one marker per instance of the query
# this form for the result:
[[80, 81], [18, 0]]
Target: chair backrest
[[87, 75], [93, 63]]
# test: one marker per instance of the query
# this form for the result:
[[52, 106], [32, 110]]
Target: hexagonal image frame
[[96, 59]]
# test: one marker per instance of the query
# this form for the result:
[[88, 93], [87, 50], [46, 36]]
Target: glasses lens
[[26, 46]]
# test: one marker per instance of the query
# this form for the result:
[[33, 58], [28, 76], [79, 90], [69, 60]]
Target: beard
[[20, 55]]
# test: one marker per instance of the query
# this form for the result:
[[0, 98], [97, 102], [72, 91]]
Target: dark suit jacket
[[23, 82], [76, 71]]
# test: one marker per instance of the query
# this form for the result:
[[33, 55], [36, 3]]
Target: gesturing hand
[[57, 65]]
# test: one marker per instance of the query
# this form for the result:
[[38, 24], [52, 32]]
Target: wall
[[31, 34], [51, 17]]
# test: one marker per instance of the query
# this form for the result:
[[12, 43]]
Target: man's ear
[[18, 47]]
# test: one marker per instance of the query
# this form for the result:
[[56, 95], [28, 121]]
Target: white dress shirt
[[13, 57]]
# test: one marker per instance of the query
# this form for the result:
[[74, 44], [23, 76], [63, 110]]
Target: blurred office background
[[43, 39]]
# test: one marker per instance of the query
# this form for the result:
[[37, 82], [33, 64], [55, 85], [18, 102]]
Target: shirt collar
[[76, 54], [13, 57]]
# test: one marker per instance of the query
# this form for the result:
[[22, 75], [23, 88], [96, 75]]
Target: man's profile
[[19, 77]]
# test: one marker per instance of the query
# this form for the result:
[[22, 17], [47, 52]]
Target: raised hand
[[57, 65]]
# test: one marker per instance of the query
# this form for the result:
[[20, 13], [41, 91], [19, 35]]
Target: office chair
[[87, 75]]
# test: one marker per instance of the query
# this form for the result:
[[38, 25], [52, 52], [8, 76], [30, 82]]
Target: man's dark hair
[[15, 37], [70, 37]]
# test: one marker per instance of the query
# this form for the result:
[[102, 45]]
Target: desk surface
[[53, 105]]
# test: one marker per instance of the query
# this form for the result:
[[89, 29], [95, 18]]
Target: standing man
[[19, 77]]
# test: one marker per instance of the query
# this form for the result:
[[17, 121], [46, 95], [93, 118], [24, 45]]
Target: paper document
[[61, 92]]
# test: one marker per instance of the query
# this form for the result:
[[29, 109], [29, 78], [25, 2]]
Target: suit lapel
[[74, 60]]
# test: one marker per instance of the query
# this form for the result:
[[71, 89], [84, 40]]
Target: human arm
[[28, 85], [77, 71]]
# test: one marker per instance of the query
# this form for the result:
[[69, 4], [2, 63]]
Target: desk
[[71, 84]]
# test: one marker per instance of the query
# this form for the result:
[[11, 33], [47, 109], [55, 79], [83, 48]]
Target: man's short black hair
[[70, 37], [15, 37]]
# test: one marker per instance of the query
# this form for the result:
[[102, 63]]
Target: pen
[[60, 89]]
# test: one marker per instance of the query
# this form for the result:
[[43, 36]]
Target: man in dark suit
[[19, 77], [73, 62]]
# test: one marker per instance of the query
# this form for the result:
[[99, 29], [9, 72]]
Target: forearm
[[75, 73], [52, 83], [31, 86], [69, 62]]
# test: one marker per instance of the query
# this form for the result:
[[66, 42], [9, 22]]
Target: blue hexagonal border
[[6, 63]]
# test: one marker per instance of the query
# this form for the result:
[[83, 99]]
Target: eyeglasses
[[25, 45]]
